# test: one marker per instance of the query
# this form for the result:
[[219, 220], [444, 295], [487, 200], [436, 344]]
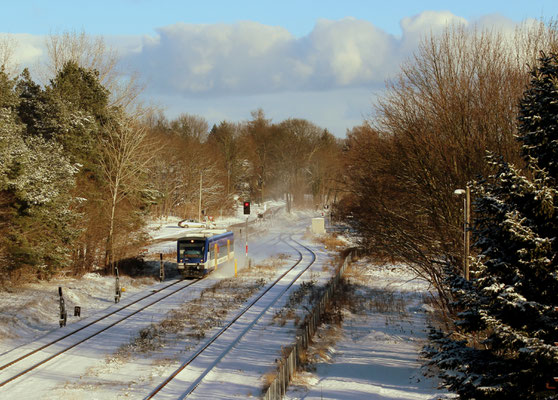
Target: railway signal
[[63, 313], [117, 290], [246, 207]]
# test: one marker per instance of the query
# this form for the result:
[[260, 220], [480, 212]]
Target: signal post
[[246, 212]]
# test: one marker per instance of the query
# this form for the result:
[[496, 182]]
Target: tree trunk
[[110, 238]]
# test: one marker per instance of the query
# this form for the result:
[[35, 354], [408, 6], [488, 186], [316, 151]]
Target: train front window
[[191, 249]]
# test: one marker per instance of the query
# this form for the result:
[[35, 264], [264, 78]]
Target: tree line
[[472, 108], [255, 160], [84, 165]]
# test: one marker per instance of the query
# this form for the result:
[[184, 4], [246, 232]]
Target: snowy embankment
[[32, 310], [375, 352], [375, 356], [29, 312]]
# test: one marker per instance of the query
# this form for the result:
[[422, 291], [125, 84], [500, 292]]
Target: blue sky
[[321, 60], [134, 17]]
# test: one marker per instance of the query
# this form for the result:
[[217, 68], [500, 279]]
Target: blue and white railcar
[[199, 253]]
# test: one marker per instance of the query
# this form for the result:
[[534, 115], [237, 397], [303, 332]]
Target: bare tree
[[126, 155], [190, 126], [186, 159], [223, 145], [296, 143], [455, 99], [256, 145], [325, 169], [7, 63], [91, 53]]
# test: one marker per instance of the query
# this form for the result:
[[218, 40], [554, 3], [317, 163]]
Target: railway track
[[222, 342], [22, 360], [44, 359]]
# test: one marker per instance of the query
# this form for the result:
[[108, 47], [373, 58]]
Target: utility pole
[[262, 185], [199, 204], [467, 229]]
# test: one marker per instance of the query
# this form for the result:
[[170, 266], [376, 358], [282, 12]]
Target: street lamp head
[[459, 192]]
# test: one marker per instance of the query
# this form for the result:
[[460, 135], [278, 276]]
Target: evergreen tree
[[8, 97], [81, 88], [35, 180], [77, 108], [32, 104], [509, 316]]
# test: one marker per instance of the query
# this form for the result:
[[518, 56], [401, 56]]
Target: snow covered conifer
[[539, 119], [508, 324], [7, 96], [36, 178]]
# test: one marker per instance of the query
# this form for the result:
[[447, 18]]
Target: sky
[[325, 61]]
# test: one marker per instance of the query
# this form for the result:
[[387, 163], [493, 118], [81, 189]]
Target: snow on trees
[[508, 325], [35, 180]]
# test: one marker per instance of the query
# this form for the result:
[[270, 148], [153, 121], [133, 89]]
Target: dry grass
[[387, 301], [195, 319], [169, 255], [300, 300], [268, 379], [331, 242], [303, 357], [269, 267], [382, 300], [354, 273], [142, 281], [22, 277]]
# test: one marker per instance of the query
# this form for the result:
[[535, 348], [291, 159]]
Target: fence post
[[161, 268]]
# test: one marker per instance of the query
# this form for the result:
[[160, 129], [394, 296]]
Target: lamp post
[[466, 223]]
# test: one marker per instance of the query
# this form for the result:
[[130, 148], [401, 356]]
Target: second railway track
[[24, 359], [186, 379], [53, 358]]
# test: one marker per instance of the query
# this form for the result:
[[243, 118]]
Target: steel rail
[[83, 327], [196, 383], [34, 366]]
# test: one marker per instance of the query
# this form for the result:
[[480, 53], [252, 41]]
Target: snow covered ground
[[374, 355]]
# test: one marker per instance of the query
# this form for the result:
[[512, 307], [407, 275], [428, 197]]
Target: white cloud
[[251, 58], [430, 21], [26, 48], [224, 71], [427, 23]]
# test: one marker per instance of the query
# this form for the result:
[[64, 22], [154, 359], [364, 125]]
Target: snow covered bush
[[504, 344]]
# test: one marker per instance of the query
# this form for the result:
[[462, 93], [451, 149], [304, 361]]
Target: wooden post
[[161, 268]]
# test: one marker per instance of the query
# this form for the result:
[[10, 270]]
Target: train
[[198, 253]]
